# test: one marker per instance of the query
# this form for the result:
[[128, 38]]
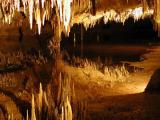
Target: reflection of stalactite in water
[[74, 40], [27, 117], [33, 114], [45, 99], [61, 107], [40, 96], [81, 40], [67, 110]]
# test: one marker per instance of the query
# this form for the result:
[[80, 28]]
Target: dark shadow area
[[154, 83], [4, 111], [121, 42], [131, 32], [126, 107], [11, 68]]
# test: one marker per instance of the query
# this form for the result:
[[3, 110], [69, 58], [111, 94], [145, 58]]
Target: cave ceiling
[[70, 12]]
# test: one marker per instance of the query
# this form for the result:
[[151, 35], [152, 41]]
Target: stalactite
[[145, 5], [89, 20], [74, 40], [38, 11], [157, 16]]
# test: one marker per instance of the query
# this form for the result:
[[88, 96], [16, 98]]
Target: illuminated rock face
[[157, 16]]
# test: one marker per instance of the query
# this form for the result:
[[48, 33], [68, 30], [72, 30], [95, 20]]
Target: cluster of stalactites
[[89, 20], [157, 16], [38, 10], [90, 15]]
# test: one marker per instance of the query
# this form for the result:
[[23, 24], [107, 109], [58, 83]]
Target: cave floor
[[121, 101], [103, 100]]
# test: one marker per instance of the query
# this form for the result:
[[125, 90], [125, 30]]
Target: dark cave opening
[[118, 41], [131, 32]]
